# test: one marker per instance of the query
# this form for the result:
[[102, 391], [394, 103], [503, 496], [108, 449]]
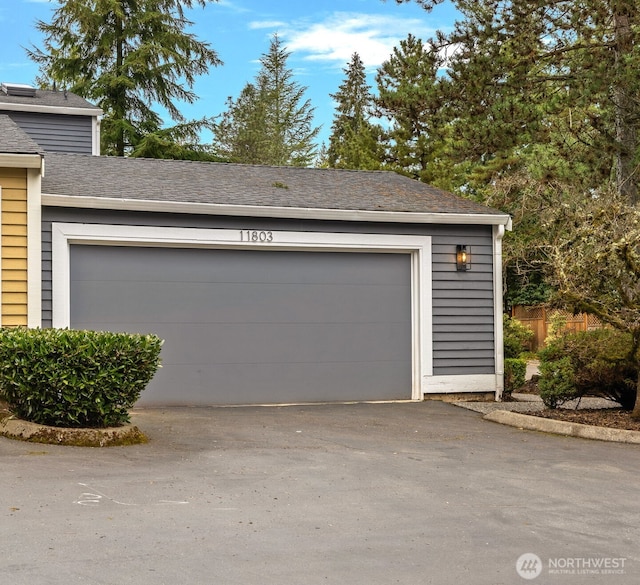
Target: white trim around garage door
[[66, 234]]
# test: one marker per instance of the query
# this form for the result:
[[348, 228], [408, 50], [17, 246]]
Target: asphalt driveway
[[409, 493]]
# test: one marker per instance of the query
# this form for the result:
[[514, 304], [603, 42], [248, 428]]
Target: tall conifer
[[355, 141], [408, 97], [125, 56], [270, 122]]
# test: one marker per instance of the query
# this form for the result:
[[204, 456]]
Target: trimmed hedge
[[68, 378], [557, 382]]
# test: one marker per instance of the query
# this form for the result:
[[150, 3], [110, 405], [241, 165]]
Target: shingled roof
[[14, 140], [45, 99], [133, 179]]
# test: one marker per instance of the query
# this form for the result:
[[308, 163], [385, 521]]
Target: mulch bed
[[614, 418]]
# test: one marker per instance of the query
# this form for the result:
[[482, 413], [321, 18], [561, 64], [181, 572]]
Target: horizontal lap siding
[[463, 307], [14, 246], [57, 132], [463, 314]]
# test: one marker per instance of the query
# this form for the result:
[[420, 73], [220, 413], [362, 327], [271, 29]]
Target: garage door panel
[[230, 303], [280, 343], [339, 328], [271, 384], [239, 266]]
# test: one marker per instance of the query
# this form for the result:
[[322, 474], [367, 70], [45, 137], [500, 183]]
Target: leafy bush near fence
[[516, 337], [68, 378], [594, 363], [515, 371]]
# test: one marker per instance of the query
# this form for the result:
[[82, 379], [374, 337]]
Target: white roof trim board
[[273, 211]]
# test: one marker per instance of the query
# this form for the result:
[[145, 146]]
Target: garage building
[[268, 284]]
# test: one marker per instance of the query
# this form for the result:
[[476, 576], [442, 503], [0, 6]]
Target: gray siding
[[57, 132], [463, 313], [463, 319]]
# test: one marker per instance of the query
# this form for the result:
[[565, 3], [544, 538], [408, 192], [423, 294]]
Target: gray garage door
[[245, 326]]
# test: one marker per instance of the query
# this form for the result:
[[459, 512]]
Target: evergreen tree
[[408, 96], [270, 122], [125, 55], [240, 135], [179, 142], [355, 142], [561, 74]]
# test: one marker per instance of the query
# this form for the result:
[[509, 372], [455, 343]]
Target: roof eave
[[21, 161], [44, 109], [124, 204]]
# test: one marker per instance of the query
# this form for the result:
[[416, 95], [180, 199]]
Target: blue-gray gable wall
[[57, 132], [463, 307]]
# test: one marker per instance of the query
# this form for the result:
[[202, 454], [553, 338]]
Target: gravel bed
[[531, 403]]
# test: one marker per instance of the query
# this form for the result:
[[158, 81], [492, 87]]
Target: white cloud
[[335, 39], [232, 6], [270, 24]]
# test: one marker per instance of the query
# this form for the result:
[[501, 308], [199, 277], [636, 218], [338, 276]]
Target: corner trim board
[[498, 334], [34, 249]]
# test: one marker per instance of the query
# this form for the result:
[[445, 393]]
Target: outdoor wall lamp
[[463, 257]]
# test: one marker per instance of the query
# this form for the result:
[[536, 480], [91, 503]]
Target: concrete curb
[[22, 430], [558, 427]]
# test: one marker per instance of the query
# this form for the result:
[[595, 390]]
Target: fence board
[[539, 319]]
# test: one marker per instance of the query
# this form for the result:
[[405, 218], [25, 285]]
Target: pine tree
[[124, 55], [561, 74], [270, 122], [355, 142], [408, 96], [240, 136]]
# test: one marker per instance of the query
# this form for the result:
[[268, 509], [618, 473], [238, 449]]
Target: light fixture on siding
[[463, 257]]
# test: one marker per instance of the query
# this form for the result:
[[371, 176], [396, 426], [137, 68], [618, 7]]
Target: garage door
[[254, 326]]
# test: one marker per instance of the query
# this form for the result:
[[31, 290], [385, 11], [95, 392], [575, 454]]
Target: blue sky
[[320, 34]]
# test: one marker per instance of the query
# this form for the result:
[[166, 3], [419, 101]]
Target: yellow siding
[[15, 205], [12, 270], [14, 246], [13, 179], [12, 194], [14, 286], [11, 220], [13, 240], [15, 230], [14, 252], [13, 320]]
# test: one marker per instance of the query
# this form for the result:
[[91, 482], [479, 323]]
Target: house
[[268, 284]]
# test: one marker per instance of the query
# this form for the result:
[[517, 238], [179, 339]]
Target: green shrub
[[515, 372], [598, 364], [516, 337], [557, 382], [68, 378]]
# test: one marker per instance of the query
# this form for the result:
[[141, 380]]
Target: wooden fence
[[538, 319]]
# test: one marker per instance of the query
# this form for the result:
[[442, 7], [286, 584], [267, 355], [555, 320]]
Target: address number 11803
[[256, 236]]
